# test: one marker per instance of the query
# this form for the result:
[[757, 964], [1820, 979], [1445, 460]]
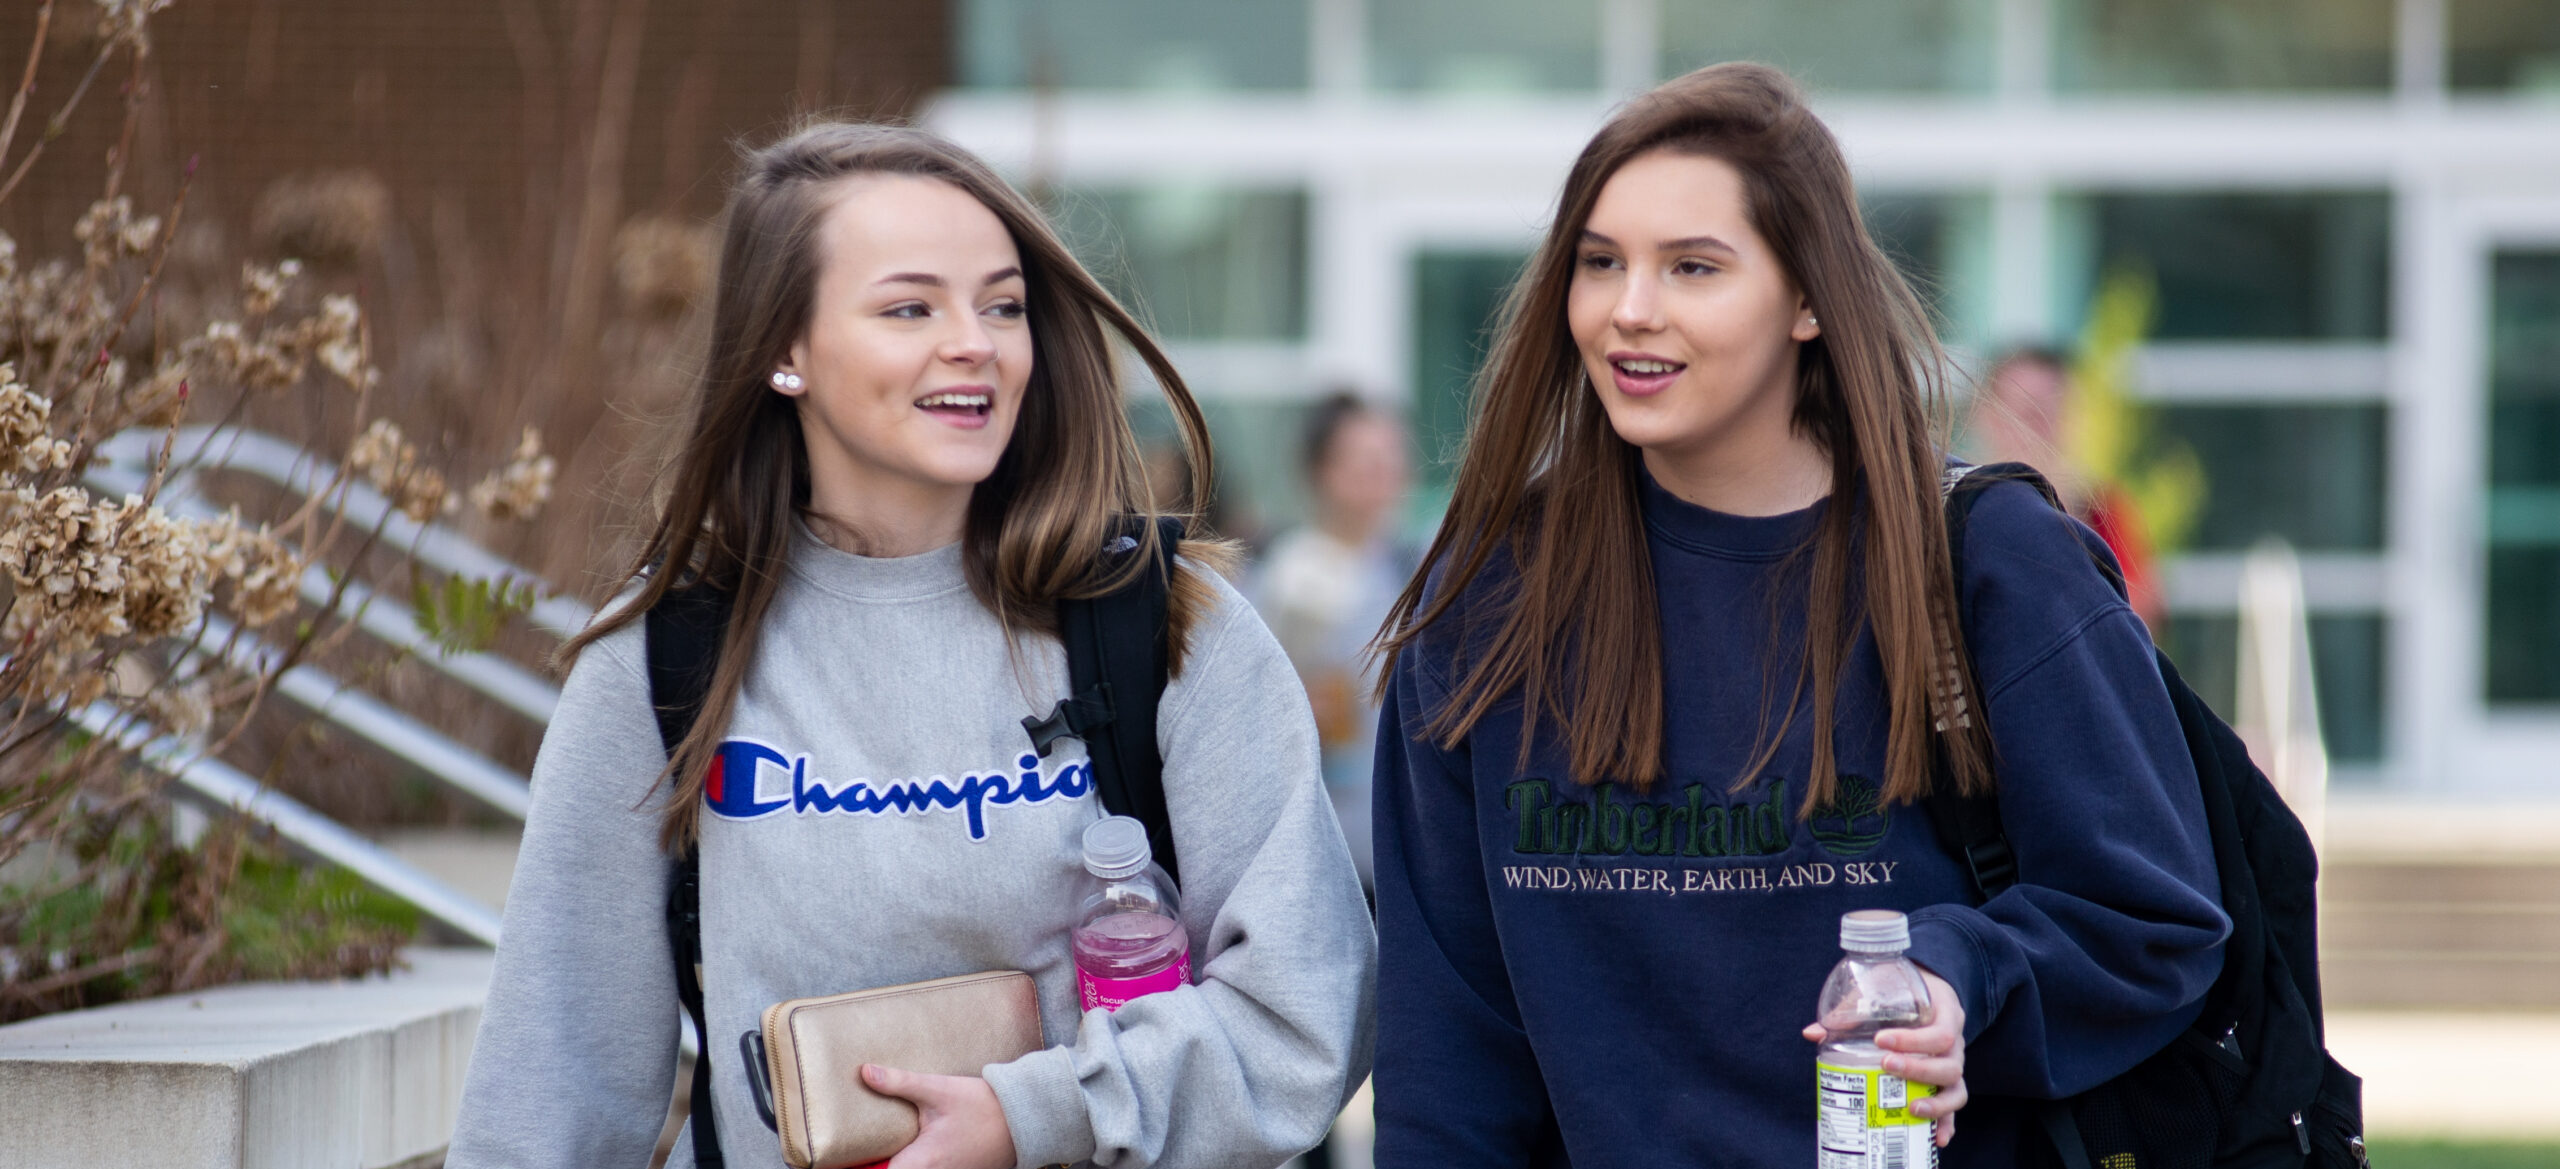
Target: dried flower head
[[46, 308], [386, 458], [183, 709], [273, 361], [263, 287], [166, 577], [109, 231], [518, 490], [162, 399], [263, 574], [339, 330], [90, 570], [662, 264], [127, 22], [336, 217], [27, 445]]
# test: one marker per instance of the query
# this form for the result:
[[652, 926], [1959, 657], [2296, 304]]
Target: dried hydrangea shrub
[[518, 490]]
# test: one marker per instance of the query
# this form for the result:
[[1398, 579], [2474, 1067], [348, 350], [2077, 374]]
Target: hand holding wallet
[[804, 1066]]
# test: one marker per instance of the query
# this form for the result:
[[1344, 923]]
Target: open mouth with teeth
[[1644, 375], [966, 407]]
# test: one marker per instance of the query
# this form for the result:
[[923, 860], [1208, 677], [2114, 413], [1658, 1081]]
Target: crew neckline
[[875, 578], [1704, 529]]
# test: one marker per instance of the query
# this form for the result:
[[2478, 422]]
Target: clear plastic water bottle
[[1864, 1118], [1128, 939]]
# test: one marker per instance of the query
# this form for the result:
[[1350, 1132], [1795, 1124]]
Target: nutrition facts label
[[1865, 1122]]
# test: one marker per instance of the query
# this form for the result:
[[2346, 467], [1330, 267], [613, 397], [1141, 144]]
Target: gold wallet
[[804, 1067]]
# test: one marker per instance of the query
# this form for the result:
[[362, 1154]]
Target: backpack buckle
[[1994, 865], [1075, 717]]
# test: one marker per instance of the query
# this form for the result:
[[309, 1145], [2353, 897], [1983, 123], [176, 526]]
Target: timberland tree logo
[[1851, 825], [1855, 820]]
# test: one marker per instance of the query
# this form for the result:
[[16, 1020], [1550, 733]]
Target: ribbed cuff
[[1044, 1107], [1942, 945]]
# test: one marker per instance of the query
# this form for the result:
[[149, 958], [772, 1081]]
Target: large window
[[2348, 671], [2223, 45], [1163, 45], [2503, 46], [1942, 244], [2313, 475], [1843, 45], [2243, 265], [1198, 262], [1456, 297], [1484, 46], [2522, 649]]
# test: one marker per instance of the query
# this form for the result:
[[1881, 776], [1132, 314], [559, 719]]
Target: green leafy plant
[[466, 614], [125, 909]]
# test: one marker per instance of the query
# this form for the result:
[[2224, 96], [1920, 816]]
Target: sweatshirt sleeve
[[1457, 1082], [576, 1053], [2104, 949], [1250, 1064]]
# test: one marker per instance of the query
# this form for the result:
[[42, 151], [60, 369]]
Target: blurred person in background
[[1326, 586], [2022, 414]]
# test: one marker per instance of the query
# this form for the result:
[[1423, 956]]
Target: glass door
[[2520, 650]]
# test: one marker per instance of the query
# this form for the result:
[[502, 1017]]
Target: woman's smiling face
[[917, 352], [1686, 321]]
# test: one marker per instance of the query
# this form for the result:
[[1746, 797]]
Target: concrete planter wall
[[328, 1075]]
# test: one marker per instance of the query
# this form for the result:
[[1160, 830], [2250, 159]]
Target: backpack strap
[[1117, 666], [1970, 825], [684, 633]]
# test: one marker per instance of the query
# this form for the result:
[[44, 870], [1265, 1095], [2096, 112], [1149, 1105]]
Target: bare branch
[[61, 119], [26, 83]]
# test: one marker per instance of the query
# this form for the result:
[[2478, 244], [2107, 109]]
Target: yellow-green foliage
[[2108, 434], [464, 615], [124, 911]]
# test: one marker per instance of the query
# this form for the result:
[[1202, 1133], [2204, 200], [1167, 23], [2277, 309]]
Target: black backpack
[[2251, 1083], [1116, 671]]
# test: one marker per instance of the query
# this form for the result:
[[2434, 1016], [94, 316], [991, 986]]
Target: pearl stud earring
[[785, 380]]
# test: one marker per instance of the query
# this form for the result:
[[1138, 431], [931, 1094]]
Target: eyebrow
[[930, 280], [1694, 243]]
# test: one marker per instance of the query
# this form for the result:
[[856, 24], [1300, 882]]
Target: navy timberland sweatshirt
[[1600, 976]]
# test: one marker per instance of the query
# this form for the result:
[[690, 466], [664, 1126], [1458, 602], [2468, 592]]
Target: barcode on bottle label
[[1864, 1120]]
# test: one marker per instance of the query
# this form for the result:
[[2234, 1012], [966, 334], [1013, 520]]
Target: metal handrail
[[201, 448], [225, 786], [125, 468], [378, 722]]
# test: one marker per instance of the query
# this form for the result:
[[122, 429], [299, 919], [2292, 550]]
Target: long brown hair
[[1546, 481], [727, 501]]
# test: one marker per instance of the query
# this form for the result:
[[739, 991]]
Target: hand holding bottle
[[1128, 940], [1933, 1054], [1892, 1050]]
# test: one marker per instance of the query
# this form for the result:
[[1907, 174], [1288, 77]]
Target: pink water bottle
[[1128, 939]]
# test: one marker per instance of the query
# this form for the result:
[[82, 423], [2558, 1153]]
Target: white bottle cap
[[1868, 931], [1115, 848]]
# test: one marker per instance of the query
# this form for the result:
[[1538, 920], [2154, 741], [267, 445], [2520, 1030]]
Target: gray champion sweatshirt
[[859, 837]]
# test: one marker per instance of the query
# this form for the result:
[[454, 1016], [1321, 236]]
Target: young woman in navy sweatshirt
[[1668, 688]]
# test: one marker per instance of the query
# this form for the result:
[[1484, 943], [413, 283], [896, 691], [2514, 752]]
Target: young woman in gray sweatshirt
[[907, 445]]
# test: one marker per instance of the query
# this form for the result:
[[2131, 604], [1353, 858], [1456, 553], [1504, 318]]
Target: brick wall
[[473, 101], [513, 140]]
